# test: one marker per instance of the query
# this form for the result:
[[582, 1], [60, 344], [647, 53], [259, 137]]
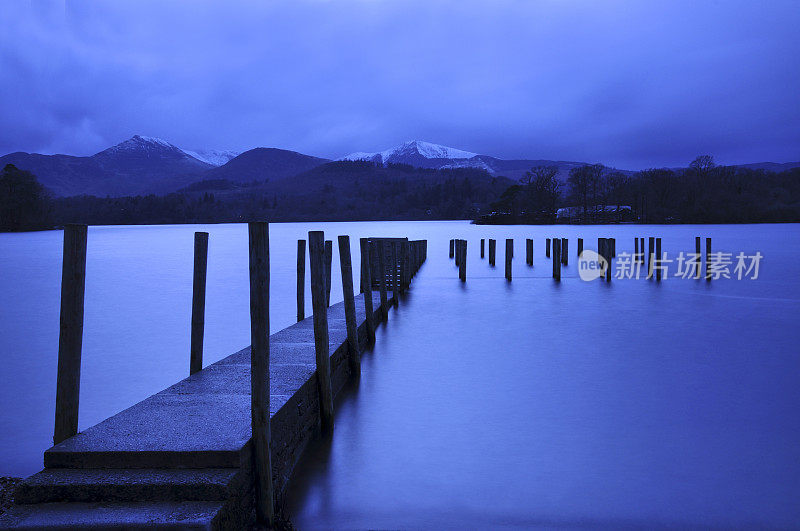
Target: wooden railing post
[[328, 264], [70, 338], [509, 256], [258, 233], [365, 265], [301, 280], [350, 304], [382, 280], [316, 252], [198, 301]]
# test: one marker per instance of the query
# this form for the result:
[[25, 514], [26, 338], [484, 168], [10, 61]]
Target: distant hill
[[262, 164], [428, 155]]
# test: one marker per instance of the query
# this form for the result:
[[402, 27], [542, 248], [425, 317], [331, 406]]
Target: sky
[[631, 84]]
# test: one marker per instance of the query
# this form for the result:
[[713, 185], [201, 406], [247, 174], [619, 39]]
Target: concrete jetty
[[181, 459]]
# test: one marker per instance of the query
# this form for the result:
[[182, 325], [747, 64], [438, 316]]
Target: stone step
[[200, 515], [110, 485]]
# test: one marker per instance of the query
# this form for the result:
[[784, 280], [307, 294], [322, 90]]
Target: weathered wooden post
[[365, 264], [452, 248], [403, 266], [328, 264], [658, 260], [580, 247], [350, 304], [492, 251], [641, 250], [635, 250], [509, 257], [547, 248], [258, 233], [708, 258], [698, 259], [462, 265], [613, 247], [650, 256], [70, 338], [608, 247], [393, 270], [382, 279], [457, 255], [316, 251], [483, 241], [198, 301], [301, 280], [528, 251], [564, 251], [557, 259]]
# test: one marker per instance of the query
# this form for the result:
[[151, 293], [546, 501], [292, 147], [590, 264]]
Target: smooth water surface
[[483, 405]]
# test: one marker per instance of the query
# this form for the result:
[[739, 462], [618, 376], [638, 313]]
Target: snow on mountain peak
[[215, 157], [427, 150]]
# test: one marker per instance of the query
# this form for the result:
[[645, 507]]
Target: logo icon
[[591, 265]]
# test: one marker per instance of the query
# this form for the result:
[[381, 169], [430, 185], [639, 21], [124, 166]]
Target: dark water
[[532, 404], [484, 405]]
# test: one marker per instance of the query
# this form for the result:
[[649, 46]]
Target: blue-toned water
[[483, 405]]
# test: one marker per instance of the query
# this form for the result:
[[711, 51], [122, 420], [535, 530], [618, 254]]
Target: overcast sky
[[631, 84]]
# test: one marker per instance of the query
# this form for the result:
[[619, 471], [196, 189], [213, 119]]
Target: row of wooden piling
[[559, 248], [396, 272]]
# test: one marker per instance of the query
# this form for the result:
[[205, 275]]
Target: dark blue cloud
[[632, 84]]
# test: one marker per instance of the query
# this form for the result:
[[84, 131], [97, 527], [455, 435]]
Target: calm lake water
[[482, 405]]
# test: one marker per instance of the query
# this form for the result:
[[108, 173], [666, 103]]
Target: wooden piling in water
[[635, 250], [483, 241], [70, 338], [198, 301], [382, 279], [452, 248], [564, 251], [457, 255], [698, 257], [529, 251], [492, 251], [258, 233], [708, 259], [547, 248], [301, 280], [328, 264], [650, 256], [557, 259], [608, 246], [658, 260], [365, 264], [509, 257], [350, 305], [580, 247], [462, 264], [316, 251]]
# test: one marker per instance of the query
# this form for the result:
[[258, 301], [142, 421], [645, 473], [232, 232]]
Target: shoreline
[[7, 487]]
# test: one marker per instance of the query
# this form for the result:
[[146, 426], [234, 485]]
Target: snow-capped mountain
[[215, 157], [413, 153]]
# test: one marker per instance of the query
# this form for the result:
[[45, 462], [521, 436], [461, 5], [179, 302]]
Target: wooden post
[[328, 264], [462, 265], [382, 279], [316, 251], [608, 247], [457, 251], [635, 250], [580, 247], [365, 264], [483, 241], [259, 371], [658, 259], [708, 259], [70, 338], [350, 304], [641, 250], [547, 248], [509, 256], [650, 256], [492, 251], [452, 248], [557, 259], [198, 301], [405, 271], [301, 280], [613, 247], [698, 257], [528, 251], [393, 270], [564, 251], [601, 251]]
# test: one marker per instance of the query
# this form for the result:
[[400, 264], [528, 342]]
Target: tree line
[[701, 193]]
